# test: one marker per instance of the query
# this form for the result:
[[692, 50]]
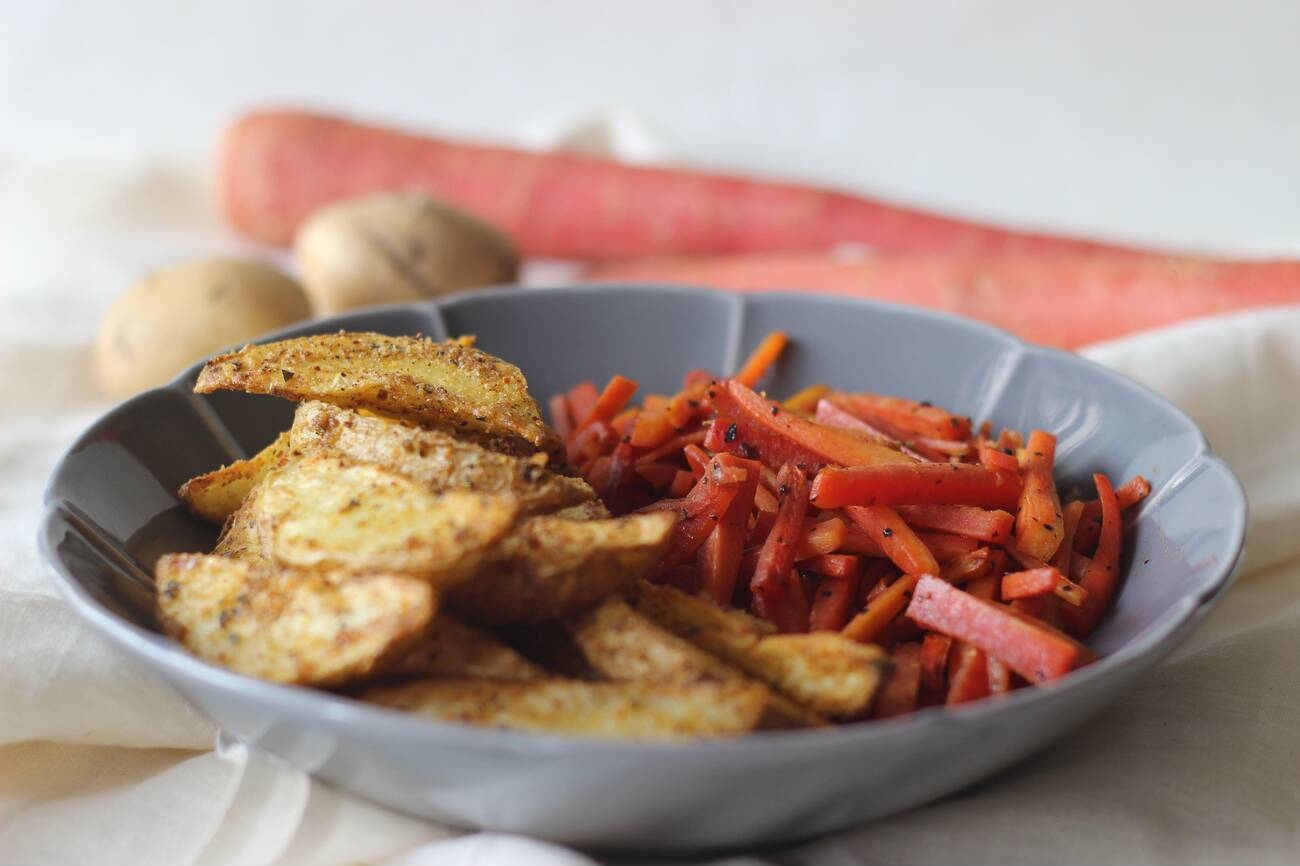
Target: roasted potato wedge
[[620, 644], [592, 509], [287, 625], [449, 384], [550, 567], [606, 710], [453, 649], [326, 512], [823, 671], [216, 495], [433, 458], [239, 538]]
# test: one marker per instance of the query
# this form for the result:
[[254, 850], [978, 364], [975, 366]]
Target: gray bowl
[[112, 510]]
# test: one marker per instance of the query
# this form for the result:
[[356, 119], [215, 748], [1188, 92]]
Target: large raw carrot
[[916, 484], [1035, 651], [277, 167], [748, 425], [1064, 301]]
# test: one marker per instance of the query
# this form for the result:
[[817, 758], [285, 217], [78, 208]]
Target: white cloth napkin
[[100, 762]]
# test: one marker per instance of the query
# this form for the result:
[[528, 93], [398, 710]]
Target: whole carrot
[[277, 167], [1065, 301]]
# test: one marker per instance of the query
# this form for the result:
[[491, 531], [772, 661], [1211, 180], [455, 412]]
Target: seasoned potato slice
[[326, 512], [239, 537], [286, 625], [435, 459], [450, 383], [607, 710], [824, 671], [453, 649], [621, 644], [217, 494], [550, 567], [592, 509]]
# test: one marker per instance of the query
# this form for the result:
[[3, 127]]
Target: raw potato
[[823, 671], [451, 385], [173, 318], [453, 649], [216, 495], [289, 626], [325, 512], [551, 567], [622, 645], [606, 710], [435, 459], [391, 248]]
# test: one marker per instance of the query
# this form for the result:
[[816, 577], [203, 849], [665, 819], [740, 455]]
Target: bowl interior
[[115, 491]]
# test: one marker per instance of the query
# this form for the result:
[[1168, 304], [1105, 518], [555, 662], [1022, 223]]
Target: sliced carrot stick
[[916, 484], [1129, 494], [945, 547], [877, 574], [652, 429], [1038, 521], [1041, 581], [822, 537], [969, 679], [1101, 577], [764, 499], [610, 402], [832, 415], [880, 611], [748, 425], [805, 401], [673, 447], [720, 560], [770, 584], [762, 358], [837, 565], [896, 538], [916, 419], [900, 691], [935, 649], [696, 458], [587, 444], [1071, 513], [970, 567], [1035, 651], [999, 676], [994, 457], [561, 418], [701, 510], [983, 524], [682, 483], [582, 399], [834, 599]]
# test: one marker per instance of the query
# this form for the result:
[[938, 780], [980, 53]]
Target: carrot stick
[[999, 676], [762, 358], [965, 520], [833, 601], [672, 447], [805, 401], [682, 483], [946, 548], [1063, 301], [880, 611], [1100, 577], [822, 537], [582, 399], [701, 510], [610, 402], [748, 425], [720, 561], [561, 418], [1041, 581], [935, 649], [1071, 513], [998, 458], [1035, 651], [837, 565], [276, 167], [969, 680], [916, 484], [764, 499], [696, 458], [896, 538], [916, 419], [1129, 494], [1039, 526], [652, 429], [899, 693], [770, 583]]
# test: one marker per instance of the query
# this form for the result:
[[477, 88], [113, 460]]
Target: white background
[[1167, 122]]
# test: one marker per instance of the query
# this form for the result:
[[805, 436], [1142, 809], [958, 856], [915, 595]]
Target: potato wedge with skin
[[216, 495], [287, 625], [326, 512], [449, 383], [593, 509], [549, 567], [433, 458], [664, 711], [823, 671], [239, 538], [622, 645], [453, 649]]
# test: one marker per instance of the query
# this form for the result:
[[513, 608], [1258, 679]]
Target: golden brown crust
[[216, 495], [453, 649], [550, 567], [444, 383], [433, 458], [290, 626]]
